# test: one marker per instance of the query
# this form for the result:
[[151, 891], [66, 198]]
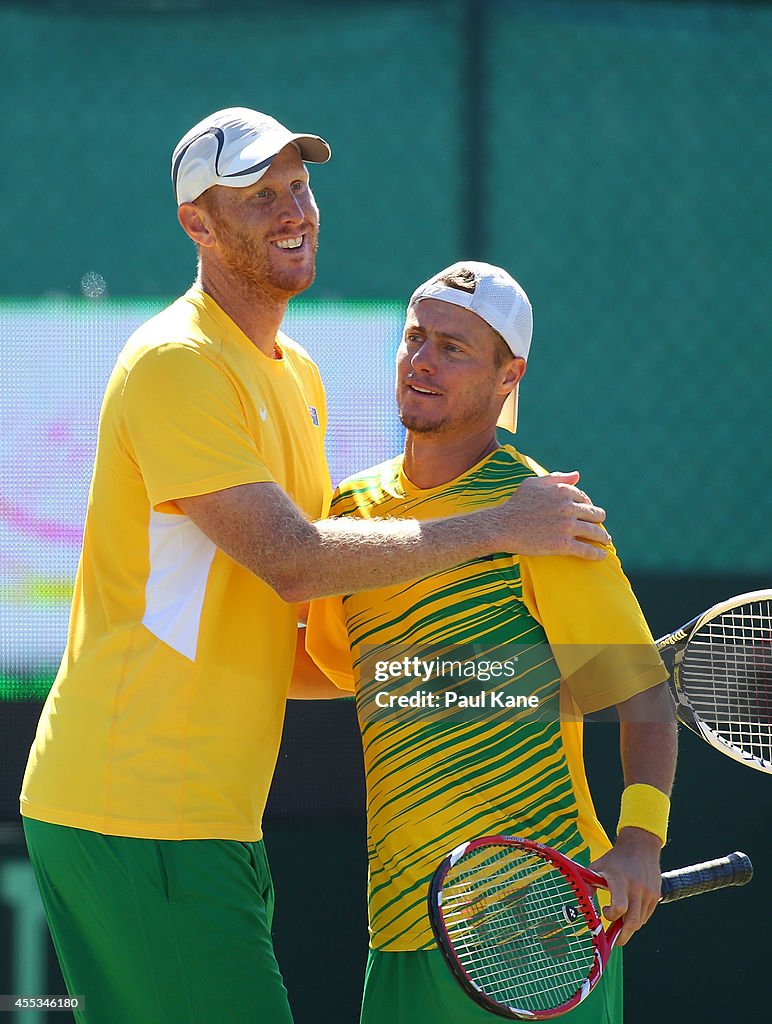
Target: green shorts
[[160, 932], [405, 988]]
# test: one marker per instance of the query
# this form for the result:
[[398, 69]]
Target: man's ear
[[514, 372], [195, 223]]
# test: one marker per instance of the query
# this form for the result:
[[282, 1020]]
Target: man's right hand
[[549, 515]]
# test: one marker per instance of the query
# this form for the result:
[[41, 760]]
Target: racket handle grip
[[734, 869]]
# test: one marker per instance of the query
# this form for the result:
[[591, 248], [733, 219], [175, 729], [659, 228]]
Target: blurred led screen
[[56, 357]]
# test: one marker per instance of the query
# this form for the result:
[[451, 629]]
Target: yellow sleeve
[[327, 641], [595, 627], [184, 424]]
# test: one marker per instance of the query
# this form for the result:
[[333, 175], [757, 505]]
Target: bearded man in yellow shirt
[[148, 776], [439, 665]]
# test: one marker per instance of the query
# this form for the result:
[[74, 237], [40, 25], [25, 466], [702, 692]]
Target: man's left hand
[[632, 871]]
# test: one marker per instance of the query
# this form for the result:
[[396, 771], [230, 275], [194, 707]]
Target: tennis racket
[[720, 667], [519, 927]]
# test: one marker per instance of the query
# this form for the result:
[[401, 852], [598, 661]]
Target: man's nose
[[423, 359]]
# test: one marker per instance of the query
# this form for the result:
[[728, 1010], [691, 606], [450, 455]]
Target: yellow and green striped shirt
[[443, 668]]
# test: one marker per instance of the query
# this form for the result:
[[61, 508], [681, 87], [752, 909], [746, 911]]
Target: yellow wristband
[[644, 807]]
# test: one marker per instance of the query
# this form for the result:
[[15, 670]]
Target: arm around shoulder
[[259, 526]]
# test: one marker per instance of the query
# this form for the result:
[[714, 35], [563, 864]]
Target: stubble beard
[[417, 424], [424, 426], [247, 261]]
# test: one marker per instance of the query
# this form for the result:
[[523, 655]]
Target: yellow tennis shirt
[[470, 686], [165, 718]]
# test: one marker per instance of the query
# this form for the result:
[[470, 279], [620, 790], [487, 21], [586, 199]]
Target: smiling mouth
[[290, 243], [419, 390]]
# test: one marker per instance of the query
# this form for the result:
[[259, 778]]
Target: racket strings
[[518, 928], [726, 674]]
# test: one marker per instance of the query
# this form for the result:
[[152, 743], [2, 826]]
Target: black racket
[[720, 666]]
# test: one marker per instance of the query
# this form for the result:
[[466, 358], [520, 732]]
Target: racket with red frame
[[720, 666], [519, 927]]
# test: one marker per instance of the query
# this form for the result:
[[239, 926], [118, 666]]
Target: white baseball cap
[[234, 147], [497, 299]]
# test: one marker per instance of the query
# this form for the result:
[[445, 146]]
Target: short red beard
[[247, 261]]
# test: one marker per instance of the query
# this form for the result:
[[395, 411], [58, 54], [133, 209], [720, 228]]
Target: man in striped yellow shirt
[[471, 682]]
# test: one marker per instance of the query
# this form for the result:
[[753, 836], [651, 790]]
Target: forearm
[[260, 527], [649, 738], [648, 745], [341, 556]]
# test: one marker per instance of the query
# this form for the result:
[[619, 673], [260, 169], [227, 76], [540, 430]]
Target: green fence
[[613, 155]]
